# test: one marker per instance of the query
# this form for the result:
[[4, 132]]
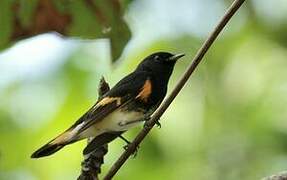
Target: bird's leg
[[127, 145], [123, 138]]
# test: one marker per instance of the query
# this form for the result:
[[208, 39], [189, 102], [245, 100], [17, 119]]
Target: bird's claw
[[126, 147], [158, 124], [147, 124]]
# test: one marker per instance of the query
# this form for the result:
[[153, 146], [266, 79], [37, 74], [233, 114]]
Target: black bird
[[126, 105]]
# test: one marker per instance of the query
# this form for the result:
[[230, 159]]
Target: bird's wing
[[134, 86]]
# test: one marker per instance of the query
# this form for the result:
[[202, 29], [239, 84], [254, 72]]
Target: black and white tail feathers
[[47, 150], [54, 145]]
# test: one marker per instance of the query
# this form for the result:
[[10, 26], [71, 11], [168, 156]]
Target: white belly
[[116, 121]]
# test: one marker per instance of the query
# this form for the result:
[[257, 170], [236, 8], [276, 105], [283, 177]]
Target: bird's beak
[[176, 57]]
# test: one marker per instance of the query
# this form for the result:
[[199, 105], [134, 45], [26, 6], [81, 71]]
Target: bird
[[130, 102]]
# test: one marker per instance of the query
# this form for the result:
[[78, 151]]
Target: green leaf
[[88, 19]]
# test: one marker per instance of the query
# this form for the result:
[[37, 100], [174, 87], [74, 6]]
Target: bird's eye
[[156, 58]]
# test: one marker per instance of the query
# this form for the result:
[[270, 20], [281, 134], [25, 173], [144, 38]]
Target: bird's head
[[159, 62]]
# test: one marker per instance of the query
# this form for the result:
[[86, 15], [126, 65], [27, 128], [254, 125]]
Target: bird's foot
[[147, 124], [158, 124], [126, 147]]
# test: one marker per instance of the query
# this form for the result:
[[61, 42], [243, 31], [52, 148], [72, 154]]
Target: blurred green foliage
[[229, 122], [87, 19]]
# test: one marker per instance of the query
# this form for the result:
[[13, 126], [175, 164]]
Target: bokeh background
[[229, 122]]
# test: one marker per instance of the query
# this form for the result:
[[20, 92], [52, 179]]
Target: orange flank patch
[[145, 91], [108, 100]]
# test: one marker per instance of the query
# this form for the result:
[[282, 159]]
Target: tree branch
[[91, 165], [279, 176], [159, 112]]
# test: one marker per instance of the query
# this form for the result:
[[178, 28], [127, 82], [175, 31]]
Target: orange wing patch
[[108, 100], [146, 91]]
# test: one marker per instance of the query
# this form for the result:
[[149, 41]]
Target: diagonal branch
[[159, 112]]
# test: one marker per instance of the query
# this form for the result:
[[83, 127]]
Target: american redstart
[[124, 106]]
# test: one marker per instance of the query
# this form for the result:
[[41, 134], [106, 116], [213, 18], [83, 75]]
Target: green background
[[229, 121]]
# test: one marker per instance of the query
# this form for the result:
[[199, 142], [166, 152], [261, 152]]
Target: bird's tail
[[54, 145], [47, 150]]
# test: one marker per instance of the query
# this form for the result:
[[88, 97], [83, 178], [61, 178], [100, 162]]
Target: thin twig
[[91, 165], [155, 117]]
